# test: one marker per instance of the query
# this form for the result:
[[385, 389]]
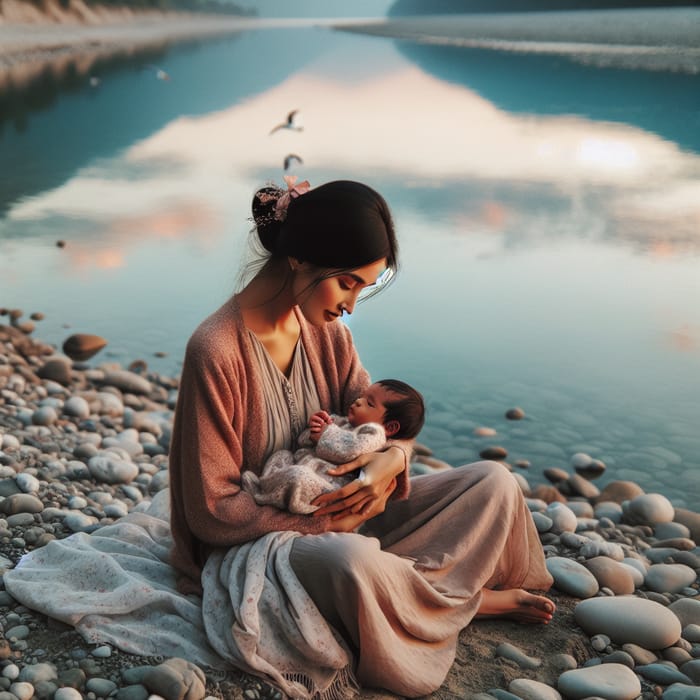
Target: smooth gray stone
[[608, 509], [509, 651], [112, 470], [571, 577], [573, 540], [77, 407], [128, 381], [687, 610], [542, 522], [563, 518], [533, 690], [663, 674], [691, 633], [612, 550], [38, 672], [692, 670], [501, 694], [664, 531], [21, 503], [639, 654], [102, 687], [628, 619], [678, 691], [619, 657], [669, 578], [648, 509], [610, 681], [611, 574]]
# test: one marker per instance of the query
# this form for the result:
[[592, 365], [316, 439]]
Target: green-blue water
[[548, 213]]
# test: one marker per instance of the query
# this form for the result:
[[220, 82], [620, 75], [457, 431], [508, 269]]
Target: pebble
[[679, 691], [509, 651], [609, 681], [533, 690], [127, 381], [611, 574], [669, 578], [648, 509], [77, 407], [662, 674], [572, 578], [102, 687], [494, 452], [107, 455], [159, 679], [109, 469], [67, 694], [83, 346], [687, 610], [563, 518], [57, 369], [628, 619]]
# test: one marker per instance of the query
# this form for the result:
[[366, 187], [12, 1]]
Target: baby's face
[[370, 406]]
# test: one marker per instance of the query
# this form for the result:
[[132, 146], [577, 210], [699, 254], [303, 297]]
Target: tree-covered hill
[[215, 6]]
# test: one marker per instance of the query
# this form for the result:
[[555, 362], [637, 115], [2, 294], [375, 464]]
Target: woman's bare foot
[[516, 604]]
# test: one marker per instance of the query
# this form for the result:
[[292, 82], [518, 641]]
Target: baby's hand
[[317, 424]]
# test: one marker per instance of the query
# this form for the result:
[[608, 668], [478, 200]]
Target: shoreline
[[26, 44], [29, 37], [606, 546]]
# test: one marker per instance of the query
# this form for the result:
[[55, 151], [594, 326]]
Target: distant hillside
[[402, 8], [214, 6]]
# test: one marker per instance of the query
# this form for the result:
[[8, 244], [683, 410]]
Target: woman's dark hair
[[408, 411], [341, 225]]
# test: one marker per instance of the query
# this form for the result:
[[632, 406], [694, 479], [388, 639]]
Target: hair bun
[[267, 226]]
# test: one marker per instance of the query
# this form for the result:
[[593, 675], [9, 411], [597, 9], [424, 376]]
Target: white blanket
[[116, 586]]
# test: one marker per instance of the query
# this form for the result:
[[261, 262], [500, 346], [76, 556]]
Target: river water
[[547, 205]]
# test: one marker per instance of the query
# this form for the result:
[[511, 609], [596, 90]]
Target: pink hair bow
[[293, 191]]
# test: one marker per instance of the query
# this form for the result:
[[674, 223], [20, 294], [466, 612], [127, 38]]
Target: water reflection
[[598, 180], [550, 84], [61, 123]]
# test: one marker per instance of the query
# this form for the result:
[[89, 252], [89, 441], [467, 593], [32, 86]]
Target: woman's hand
[[367, 495]]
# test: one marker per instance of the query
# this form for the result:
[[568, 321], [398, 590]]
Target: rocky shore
[[83, 443]]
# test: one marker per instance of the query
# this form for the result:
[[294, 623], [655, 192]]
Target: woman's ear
[[392, 427], [295, 264]]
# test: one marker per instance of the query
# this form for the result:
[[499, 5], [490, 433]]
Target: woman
[[387, 570]]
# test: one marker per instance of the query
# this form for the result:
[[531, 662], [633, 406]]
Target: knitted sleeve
[[213, 419]]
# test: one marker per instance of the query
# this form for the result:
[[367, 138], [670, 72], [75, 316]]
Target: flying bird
[[288, 160], [160, 73], [289, 124]]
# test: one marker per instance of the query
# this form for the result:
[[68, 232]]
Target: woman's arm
[[207, 455]]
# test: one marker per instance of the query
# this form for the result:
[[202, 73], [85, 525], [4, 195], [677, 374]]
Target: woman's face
[[324, 301]]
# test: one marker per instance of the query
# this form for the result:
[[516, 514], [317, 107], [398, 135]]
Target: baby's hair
[[408, 411]]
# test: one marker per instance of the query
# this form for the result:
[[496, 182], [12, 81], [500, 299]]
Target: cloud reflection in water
[[427, 132]]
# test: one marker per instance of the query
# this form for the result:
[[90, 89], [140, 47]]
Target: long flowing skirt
[[310, 613]]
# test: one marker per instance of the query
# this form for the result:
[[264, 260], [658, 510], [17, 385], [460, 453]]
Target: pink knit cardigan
[[220, 430]]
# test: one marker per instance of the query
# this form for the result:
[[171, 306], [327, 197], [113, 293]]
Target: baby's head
[[392, 403]]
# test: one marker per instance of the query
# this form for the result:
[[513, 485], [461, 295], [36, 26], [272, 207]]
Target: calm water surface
[[548, 213]]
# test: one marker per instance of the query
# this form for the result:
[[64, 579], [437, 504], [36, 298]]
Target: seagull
[[160, 73], [288, 160], [289, 124]]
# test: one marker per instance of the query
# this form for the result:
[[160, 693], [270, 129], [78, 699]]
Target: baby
[[292, 480]]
